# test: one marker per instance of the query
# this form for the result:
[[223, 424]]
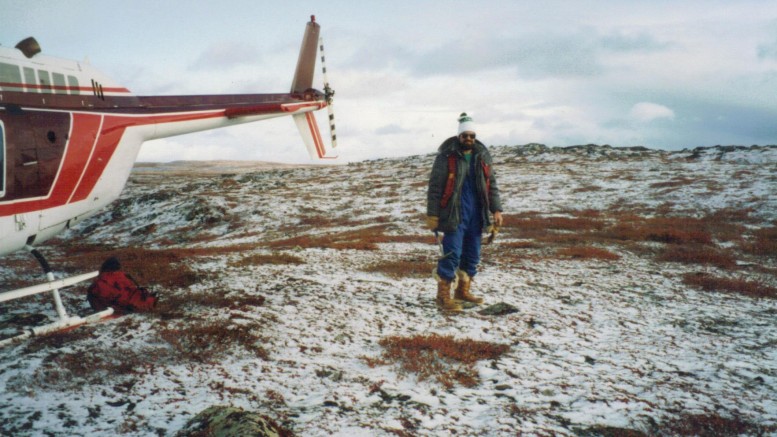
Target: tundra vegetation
[[277, 283]]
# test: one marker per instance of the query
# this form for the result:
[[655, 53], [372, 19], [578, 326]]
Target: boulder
[[228, 421]]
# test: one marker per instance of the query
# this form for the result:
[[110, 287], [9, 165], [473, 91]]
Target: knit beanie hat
[[465, 123]]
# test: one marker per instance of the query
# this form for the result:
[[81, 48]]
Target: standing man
[[462, 192]]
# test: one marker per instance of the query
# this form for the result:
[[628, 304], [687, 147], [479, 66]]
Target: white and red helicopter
[[69, 137]]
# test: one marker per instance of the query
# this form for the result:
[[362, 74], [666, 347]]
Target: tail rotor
[[303, 83], [329, 93]]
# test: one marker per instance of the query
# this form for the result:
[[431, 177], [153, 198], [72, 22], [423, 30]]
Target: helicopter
[[69, 137]]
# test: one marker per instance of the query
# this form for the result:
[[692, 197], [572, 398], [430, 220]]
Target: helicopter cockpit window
[[2, 161]]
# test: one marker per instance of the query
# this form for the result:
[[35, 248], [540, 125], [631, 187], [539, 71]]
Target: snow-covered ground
[[285, 259]]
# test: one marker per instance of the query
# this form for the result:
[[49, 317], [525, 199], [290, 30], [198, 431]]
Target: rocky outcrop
[[228, 421], [718, 153], [586, 150]]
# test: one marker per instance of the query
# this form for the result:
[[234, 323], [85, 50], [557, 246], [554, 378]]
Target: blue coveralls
[[462, 247]]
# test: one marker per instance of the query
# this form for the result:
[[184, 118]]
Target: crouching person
[[116, 289]]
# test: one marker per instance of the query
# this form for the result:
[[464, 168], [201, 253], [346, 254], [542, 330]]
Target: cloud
[[226, 55], [646, 112], [532, 56], [641, 42], [768, 50], [378, 54], [391, 129], [536, 55]]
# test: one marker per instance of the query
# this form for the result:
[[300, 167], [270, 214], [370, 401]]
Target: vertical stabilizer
[[306, 64], [308, 128]]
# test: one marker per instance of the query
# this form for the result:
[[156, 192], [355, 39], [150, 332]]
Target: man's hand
[[498, 219], [432, 222]]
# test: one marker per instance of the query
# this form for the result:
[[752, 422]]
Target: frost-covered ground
[[296, 261]]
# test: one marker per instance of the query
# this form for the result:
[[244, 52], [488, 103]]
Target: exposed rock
[[228, 421], [590, 150], [531, 149], [498, 309], [609, 431], [205, 213], [468, 305]]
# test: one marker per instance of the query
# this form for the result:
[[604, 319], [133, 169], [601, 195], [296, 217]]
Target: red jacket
[[117, 290]]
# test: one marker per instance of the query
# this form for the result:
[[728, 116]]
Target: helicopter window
[[10, 78], [60, 87], [2, 160], [72, 83], [45, 81], [29, 79]]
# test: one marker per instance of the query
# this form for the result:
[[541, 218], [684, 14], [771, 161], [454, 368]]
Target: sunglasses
[[465, 136]]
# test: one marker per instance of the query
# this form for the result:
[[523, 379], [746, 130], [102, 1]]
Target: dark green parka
[[444, 198]]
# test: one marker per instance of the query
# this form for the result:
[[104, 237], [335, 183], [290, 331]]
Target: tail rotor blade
[[330, 93]]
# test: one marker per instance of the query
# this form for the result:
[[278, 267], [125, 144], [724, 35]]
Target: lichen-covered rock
[[499, 309], [228, 421]]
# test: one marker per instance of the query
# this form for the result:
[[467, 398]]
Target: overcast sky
[[662, 74]]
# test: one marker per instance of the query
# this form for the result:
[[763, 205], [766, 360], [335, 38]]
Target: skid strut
[[53, 285]]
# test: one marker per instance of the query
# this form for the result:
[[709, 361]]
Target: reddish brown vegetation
[[688, 425], [586, 189], [696, 254], [674, 183], [447, 360], [366, 238], [520, 245], [176, 305], [207, 341], [68, 370], [713, 425], [403, 268], [674, 230], [741, 286], [202, 342], [764, 244], [587, 252], [687, 240], [168, 268], [64, 367], [533, 223], [260, 258]]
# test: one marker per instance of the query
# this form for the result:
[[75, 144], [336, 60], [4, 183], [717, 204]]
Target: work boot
[[444, 300], [462, 290]]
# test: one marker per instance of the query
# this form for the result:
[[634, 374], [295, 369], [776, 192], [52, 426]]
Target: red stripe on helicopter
[[80, 145], [77, 162], [30, 86], [83, 127], [111, 134], [313, 126], [317, 140]]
